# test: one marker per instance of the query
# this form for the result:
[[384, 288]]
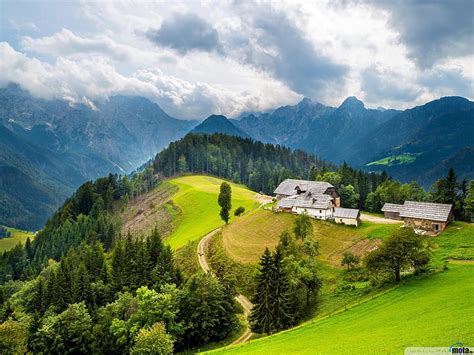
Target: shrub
[[239, 211]]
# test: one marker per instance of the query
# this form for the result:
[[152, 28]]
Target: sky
[[197, 58]]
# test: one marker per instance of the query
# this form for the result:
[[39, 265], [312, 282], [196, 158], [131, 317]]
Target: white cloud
[[66, 43], [270, 54], [94, 78]]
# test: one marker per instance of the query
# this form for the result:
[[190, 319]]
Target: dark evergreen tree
[[262, 318], [225, 201], [281, 299]]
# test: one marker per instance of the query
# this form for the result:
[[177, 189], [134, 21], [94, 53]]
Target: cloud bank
[[199, 58]]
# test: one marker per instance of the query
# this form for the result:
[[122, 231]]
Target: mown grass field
[[19, 236], [434, 311], [455, 243], [246, 238], [197, 200]]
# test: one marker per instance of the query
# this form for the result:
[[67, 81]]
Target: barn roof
[[288, 187], [286, 203], [426, 210], [392, 207], [313, 201], [340, 212]]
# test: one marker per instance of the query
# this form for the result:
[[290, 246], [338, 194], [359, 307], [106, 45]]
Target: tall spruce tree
[[282, 297], [272, 304], [224, 200], [262, 319]]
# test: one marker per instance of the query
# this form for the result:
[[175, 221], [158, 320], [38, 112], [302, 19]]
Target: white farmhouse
[[317, 199]]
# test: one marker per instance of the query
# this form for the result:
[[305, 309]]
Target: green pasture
[[433, 311], [197, 200]]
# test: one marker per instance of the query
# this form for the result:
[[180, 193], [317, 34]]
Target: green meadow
[[437, 310], [405, 158], [197, 200], [19, 236]]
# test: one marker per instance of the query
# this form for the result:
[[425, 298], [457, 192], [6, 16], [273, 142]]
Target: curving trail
[[243, 301]]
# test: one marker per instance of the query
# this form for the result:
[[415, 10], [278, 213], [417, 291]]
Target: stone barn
[[425, 217]]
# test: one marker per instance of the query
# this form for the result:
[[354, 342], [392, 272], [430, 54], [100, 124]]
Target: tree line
[[258, 165], [128, 300]]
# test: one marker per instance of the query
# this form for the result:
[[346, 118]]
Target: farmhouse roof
[[340, 212], [313, 201], [392, 207], [286, 203], [288, 187], [426, 210]]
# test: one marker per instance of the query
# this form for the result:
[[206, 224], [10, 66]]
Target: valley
[[17, 236]]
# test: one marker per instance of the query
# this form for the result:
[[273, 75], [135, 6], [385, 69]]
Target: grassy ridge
[[434, 311], [18, 236], [197, 199]]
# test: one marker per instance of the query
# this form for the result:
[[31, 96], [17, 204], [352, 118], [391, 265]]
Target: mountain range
[[49, 147], [420, 143]]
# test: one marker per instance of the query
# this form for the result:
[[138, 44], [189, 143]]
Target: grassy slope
[[19, 236], [405, 158], [197, 199], [421, 312], [433, 311], [246, 239], [456, 242]]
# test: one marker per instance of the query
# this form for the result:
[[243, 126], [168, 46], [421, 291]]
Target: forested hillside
[[81, 287], [259, 166]]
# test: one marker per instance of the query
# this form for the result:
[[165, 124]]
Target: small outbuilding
[[286, 204], [392, 211], [348, 216]]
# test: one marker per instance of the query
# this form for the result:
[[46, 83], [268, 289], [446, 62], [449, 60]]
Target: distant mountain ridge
[[53, 147], [435, 136], [49, 147], [219, 124]]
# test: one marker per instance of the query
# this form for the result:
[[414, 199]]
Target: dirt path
[[375, 219], [243, 301]]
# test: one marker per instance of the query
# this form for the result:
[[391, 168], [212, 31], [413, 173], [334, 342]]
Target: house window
[[320, 211], [436, 227]]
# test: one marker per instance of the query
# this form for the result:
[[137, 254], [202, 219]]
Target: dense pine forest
[[259, 166]]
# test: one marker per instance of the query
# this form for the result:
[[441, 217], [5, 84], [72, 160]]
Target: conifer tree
[[262, 318], [282, 297], [154, 246], [118, 265], [224, 200]]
